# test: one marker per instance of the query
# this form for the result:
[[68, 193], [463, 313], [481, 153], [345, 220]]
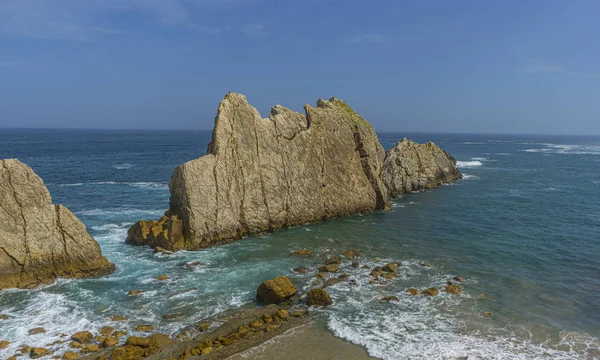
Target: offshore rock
[[410, 167], [40, 241], [166, 233], [262, 175], [276, 290]]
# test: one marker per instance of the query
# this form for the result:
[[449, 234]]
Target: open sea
[[522, 227]]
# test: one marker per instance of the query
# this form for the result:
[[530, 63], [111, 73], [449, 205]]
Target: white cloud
[[368, 39], [255, 30]]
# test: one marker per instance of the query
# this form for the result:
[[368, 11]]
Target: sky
[[466, 66]]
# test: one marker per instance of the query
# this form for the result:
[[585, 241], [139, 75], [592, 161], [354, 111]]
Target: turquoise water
[[522, 228]]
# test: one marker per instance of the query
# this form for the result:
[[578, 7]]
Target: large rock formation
[[410, 167], [262, 175], [40, 241]]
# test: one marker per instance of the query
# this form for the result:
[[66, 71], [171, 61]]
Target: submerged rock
[[458, 278], [302, 270], [318, 297], [412, 291], [432, 291], [40, 241], [276, 290], [329, 268], [389, 298], [303, 253], [453, 289], [37, 330], [351, 254], [410, 167]]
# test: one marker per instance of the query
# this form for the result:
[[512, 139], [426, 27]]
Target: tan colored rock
[[318, 297], [137, 341], [388, 275], [40, 241], [119, 333], [303, 253], [37, 330], [430, 292], [127, 352], [76, 345], [166, 233], [262, 175], [4, 344], [409, 166], [118, 318], [144, 328], [389, 298], [106, 330], [159, 341], [458, 278], [412, 291], [301, 270], [134, 292], [37, 353], [351, 254], [82, 337], [110, 341], [329, 268], [5, 317], [453, 289], [70, 355], [391, 268], [276, 290], [162, 278], [90, 348], [203, 327]]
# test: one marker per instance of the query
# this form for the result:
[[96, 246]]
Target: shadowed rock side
[[261, 175], [410, 167], [40, 241]]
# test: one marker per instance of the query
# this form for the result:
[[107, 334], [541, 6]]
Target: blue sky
[[433, 66]]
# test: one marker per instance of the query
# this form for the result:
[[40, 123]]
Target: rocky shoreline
[[279, 308]]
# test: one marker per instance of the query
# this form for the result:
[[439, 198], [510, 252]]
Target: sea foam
[[468, 164]]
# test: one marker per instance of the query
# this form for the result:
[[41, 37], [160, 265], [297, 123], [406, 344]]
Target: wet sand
[[307, 342]]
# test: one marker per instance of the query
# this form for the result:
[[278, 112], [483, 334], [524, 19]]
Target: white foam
[[470, 177], [568, 149], [120, 211], [123, 166], [468, 164], [143, 184]]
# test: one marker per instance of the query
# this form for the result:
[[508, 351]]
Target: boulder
[[391, 268], [90, 348], [301, 270], [355, 264], [164, 234], [409, 166], [118, 318], [37, 353], [162, 278], [453, 289], [412, 291], [82, 337], [40, 241], [335, 259], [332, 281], [137, 341], [432, 291], [389, 298], [318, 297], [37, 330], [4, 344], [276, 290], [351, 254], [110, 341], [261, 175], [329, 268], [388, 275], [458, 278], [303, 253], [106, 330]]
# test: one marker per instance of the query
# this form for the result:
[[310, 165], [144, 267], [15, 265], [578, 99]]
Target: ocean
[[522, 227]]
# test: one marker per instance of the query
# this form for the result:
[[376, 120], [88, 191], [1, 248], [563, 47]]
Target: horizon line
[[210, 130]]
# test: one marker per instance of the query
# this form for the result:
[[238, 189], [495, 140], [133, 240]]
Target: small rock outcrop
[[276, 290], [40, 241], [318, 297], [262, 175], [409, 166]]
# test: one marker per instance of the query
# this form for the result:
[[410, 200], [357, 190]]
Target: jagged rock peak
[[409, 166], [40, 241]]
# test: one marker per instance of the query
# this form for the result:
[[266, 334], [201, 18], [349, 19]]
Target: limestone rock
[[70, 355], [276, 290], [329, 268], [159, 341], [390, 268], [389, 298], [82, 337], [430, 292], [40, 241], [37, 353], [4, 344], [37, 330], [262, 175], [409, 166], [166, 234], [412, 291], [303, 253], [453, 289], [127, 352], [318, 297], [351, 254]]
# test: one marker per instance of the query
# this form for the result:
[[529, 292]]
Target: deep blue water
[[522, 227]]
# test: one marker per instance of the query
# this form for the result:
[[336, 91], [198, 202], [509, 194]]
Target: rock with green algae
[[40, 241]]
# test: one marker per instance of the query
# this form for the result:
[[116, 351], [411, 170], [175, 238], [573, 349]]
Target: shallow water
[[522, 227]]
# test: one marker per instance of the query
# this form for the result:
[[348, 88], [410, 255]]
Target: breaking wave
[[566, 149], [123, 166], [468, 164]]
